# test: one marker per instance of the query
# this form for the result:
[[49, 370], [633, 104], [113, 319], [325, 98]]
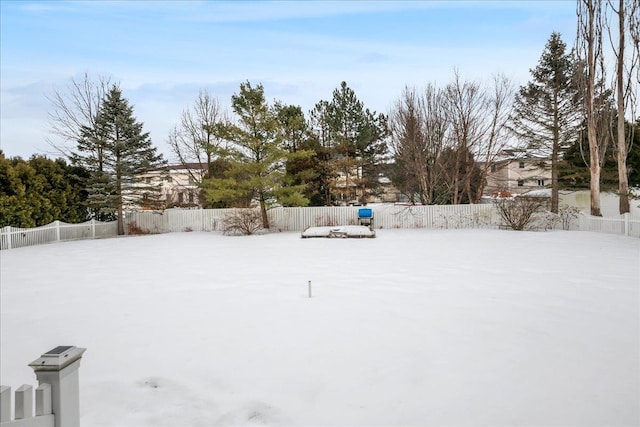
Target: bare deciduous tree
[[75, 109], [194, 141], [626, 54], [418, 130], [466, 111], [444, 140], [589, 50], [498, 104]]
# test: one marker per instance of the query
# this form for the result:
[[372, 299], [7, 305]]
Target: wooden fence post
[[93, 228], [56, 224], [626, 223]]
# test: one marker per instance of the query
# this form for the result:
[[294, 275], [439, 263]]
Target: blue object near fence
[[365, 213], [365, 217]]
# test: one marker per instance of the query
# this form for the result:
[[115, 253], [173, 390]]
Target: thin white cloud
[[162, 63]]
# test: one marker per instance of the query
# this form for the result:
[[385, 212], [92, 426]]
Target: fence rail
[[57, 231]]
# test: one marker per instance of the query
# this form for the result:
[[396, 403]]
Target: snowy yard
[[412, 328]]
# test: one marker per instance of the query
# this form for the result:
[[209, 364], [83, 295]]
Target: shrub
[[519, 213], [134, 229], [242, 222], [567, 215]]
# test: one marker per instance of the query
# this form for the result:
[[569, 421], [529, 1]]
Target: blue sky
[[162, 53]]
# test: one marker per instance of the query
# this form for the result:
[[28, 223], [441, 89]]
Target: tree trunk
[[594, 148], [263, 211], [455, 179], [623, 182], [594, 169], [554, 157], [424, 191], [119, 195]]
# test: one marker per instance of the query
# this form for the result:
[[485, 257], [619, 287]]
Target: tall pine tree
[[257, 157], [357, 137], [546, 110], [117, 152]]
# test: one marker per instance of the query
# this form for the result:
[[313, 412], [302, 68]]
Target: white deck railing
[[57, 402], [23, 415]]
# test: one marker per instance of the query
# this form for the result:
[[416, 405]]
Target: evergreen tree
[[39, 191], [546, 109], [461, 162], [117, 152], [302, 161], [323, 164], [257, 157], [574, 168], [633, 156], [358, 143]]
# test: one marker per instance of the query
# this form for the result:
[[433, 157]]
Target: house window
[[190, 197], [180, 198], [520, 183], [493, 167], [521, 165], [541, 182]]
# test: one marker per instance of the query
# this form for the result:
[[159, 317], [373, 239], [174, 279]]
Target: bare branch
[[75, 108]]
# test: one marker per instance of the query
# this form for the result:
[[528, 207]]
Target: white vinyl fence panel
[[57, 231], [298, 219], [175, 220], [392, 216], [625, 224]]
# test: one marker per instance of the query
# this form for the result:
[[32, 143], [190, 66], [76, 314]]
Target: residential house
[[179, 184], [517, 172]]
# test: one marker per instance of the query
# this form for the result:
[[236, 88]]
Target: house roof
[[192, 165]]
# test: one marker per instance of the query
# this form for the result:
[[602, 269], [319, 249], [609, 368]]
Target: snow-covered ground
[[412, 328]]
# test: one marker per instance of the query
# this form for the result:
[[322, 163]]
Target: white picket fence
[[57, 231]]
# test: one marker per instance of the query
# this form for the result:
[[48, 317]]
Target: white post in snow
[[626, 223], [93, 228], [59, 368], [309, 285], [57, 225]]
